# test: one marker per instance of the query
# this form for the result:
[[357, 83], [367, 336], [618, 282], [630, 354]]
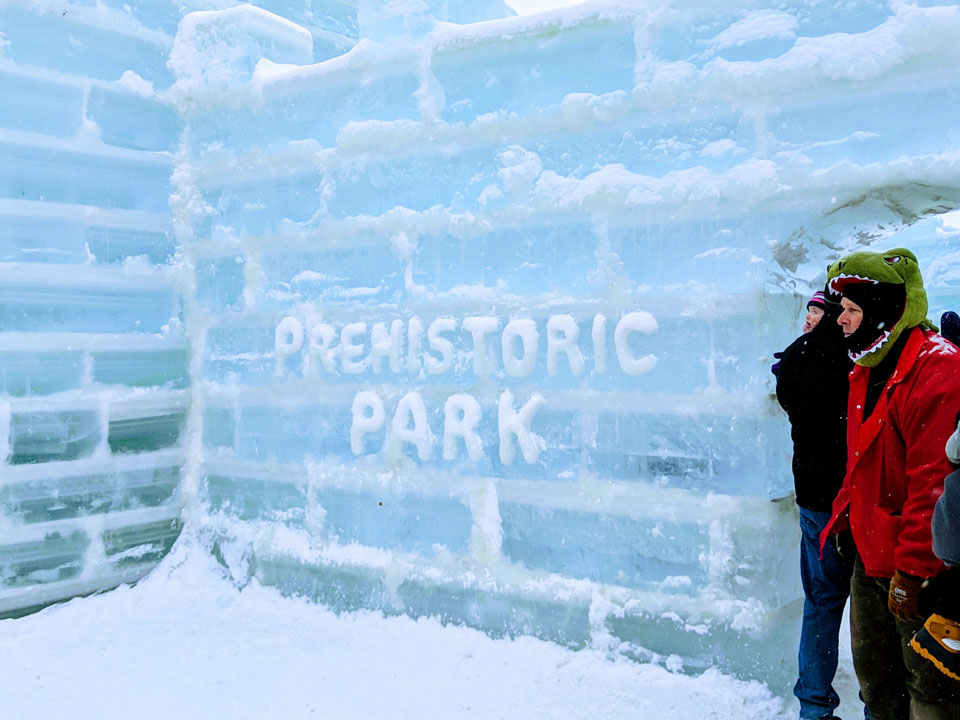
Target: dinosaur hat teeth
[[872, 348], [842, 280]]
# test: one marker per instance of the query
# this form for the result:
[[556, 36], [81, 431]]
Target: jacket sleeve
[[946, 521], [808, 368], [787, 379], [926, 422]]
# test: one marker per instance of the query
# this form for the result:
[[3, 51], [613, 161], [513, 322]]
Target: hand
[[904, 596], [775, 368], [846, 548]]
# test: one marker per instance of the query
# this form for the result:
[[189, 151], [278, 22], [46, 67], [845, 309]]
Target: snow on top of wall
[[380, 19], [219, 49], [136, 84], [757, 25], [613, 186], [911, 37], [399, 52]]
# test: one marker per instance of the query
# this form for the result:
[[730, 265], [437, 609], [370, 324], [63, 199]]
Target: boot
[[939, 642]]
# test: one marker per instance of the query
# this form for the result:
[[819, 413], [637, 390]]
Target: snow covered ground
[[185, 643]]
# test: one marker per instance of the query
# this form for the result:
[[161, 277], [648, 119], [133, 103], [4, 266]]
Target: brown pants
[[895, 682]]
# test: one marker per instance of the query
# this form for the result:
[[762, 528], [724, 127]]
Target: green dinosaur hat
[[890, 291]]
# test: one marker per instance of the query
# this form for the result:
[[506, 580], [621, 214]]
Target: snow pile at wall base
[[179, 628]]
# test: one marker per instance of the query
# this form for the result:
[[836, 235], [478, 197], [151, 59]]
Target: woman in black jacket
[[812, 387]]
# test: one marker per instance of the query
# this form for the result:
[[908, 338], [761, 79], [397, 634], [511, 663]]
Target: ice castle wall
[[474, 322], [603, 216], [94, 364]]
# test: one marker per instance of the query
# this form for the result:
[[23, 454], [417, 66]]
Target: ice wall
[[94, 379], [93, 361], [472, 322], [483, 320]]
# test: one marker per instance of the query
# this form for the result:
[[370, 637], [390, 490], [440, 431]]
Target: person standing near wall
[[812, 388], [816, 309], [939, 640], [904, 396], [950, 327]]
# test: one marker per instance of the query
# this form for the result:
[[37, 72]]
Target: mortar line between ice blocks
[[194, 427], [503, 578], [125, 402], [86, 371], [65, 77], [35, 532], [4, 437], [103, 578], [183, 213], [103, 420], [79, 146], [38, 472], [69, 276], [645, 500], [121, 218], [133, 404], [24, 341]]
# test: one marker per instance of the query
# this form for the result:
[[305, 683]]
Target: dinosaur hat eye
[[893, 259]]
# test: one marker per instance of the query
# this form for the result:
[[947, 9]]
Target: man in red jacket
[[904, 395]]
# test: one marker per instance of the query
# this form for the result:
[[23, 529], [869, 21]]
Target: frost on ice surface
[[429, 309]]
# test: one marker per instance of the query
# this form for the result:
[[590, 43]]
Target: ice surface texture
[[472, 322], [93, 365]]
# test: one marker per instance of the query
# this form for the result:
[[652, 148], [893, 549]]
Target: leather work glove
[[904, 596]]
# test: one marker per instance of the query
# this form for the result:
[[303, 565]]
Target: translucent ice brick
[[142, 369], [129, 120], [39, 104], [53, 435]]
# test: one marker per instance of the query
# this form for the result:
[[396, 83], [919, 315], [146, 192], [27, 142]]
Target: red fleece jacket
[[895, 460]]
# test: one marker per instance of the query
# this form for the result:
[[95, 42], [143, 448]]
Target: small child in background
[[816, 307]]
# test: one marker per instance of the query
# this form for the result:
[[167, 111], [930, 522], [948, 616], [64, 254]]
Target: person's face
[[814, 314], [851, 317]]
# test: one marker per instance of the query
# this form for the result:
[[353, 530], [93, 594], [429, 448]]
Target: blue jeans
[[826, 585]]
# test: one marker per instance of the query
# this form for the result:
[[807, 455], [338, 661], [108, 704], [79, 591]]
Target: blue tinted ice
[[433, 309]]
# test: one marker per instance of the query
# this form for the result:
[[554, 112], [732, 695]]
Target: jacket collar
[[867, 431], [908, 358]]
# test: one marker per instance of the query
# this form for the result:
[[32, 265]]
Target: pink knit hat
[[818, 300]]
